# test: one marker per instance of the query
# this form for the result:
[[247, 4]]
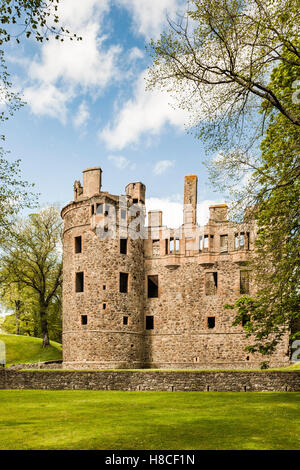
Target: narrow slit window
[[104, 306], [149, 322], [125, 320], [211, 322], [84, 319], [92, 209], [79, 284], [242, 240], [248, 241], [200, 243], [152, 287], [123, 246], [167, 246], [205, 244], [236, 241], [124, 282], [78, 244]]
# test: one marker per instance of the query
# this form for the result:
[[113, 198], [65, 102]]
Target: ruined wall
[[197, 271]]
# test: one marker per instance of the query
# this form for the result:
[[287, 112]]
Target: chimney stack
[[190, 199], [92, 181]]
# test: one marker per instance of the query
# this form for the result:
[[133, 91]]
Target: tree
[[14, 193], [236, 64], [275, 266], [21, 19], [31, 259], [217, 58]]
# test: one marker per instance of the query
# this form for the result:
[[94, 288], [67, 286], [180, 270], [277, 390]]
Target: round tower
[[103, 280]]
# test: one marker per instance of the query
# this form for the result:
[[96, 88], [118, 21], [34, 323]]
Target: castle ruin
[[137, 296]]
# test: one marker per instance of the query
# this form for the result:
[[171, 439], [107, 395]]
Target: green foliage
[[276, 306], [215, 59], [22, 349], [94, 420], [31, 270], [33, 18]]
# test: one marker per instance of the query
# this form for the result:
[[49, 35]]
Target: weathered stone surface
[[197, 276], [265, 381]]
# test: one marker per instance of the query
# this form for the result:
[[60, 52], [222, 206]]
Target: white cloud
[[173, 210], [82, 116], [134, 54], [150, 16], [121, 162], [161, 166], [73, 66], [147, 112], [46, 99]]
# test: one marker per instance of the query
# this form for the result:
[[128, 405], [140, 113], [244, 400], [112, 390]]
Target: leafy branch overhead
[[217, 60], [31, 18]]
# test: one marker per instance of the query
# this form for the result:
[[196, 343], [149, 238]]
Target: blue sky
[[87, 106]]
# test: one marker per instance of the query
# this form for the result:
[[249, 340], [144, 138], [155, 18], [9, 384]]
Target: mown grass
[[21, 349], [111, 420]]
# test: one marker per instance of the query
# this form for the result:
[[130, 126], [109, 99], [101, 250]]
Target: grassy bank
[[32, 419], [20, 349]]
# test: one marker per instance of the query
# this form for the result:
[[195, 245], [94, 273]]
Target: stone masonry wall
[[264, 381]]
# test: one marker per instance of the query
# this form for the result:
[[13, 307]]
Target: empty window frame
[[223, 243], [84, 319], [124, 282], [123, 246], [236, 241], [248, 241], [177, 246], [211, 322], [155, 247], [99, 209], [79, 282], [152, 286], [205, 242], [172, 245], [245, 319], [149, 322], [78, 244], [244, 282], [167, 246], [242, 240], [125, 320], [211, 283], [200, 243]]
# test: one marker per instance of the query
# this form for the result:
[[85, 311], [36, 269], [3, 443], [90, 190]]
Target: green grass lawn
[[33, 419], [21, 349]]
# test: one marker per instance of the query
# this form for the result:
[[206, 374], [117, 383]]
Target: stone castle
[[137, 296]]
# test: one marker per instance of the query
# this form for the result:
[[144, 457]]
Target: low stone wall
[[37, 365], [233, 381]]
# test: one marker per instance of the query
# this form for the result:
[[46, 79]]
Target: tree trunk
[[44, 325], [17, 313]]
